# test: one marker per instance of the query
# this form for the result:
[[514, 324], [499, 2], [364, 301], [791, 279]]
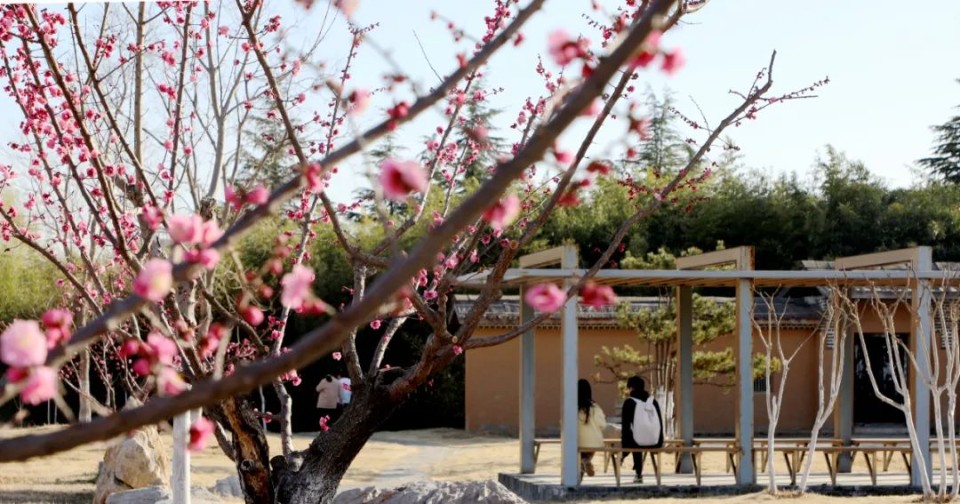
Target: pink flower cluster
[[546, 297], [156, 355], [672, 60], [154, 281], [200, 432], [197, 235], [400, 178], [503, 212], [297, 293], [23, 347]]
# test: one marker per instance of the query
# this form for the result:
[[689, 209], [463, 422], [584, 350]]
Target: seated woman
[[591, 425]]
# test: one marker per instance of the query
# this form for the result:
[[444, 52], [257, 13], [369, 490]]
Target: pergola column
[[843, 409], [569, 458], [921, 344], [746, 475], [684, 390], [742, 259], [527, 390]]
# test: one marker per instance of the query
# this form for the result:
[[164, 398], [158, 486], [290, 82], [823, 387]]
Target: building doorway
[[867, 407]]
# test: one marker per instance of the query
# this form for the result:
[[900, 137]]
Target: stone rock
[[228, 487], [433, 492], [198, 495], [147, 495], [138, 461]]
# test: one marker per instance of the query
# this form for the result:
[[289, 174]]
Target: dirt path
[[389, 459]]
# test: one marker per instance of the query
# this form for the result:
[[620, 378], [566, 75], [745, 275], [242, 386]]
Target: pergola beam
[[728, 278]]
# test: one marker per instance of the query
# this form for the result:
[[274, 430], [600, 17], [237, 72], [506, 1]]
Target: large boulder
[[433, 492], [138, 461]]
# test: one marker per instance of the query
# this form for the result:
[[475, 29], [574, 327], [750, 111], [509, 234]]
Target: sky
[[892, 70]]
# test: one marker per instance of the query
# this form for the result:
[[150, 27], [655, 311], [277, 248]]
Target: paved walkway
[[544, 487]]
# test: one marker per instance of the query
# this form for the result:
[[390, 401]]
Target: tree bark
[[86, 412], [250, 449], [286, 417], [314, 475]]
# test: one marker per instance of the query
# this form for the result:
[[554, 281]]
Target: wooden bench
[[616, 453]]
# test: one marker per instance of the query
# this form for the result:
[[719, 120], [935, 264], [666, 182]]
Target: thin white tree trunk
[[86, 411]]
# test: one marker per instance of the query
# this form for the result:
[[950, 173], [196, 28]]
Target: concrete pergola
[[692, 272]]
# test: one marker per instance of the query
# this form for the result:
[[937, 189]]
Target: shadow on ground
[[41, 497]]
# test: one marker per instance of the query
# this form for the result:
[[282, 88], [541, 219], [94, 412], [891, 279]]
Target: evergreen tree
[[664, 151], [945, 161]]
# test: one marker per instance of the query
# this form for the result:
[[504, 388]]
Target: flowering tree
[[126, 202]]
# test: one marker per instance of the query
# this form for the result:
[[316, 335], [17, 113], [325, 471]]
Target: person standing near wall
[[345, 391], [328, 397], [642, 423]]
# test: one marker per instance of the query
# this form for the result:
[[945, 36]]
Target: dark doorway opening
[[867, 407]]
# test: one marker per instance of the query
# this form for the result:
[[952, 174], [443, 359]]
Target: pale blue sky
[[892, 68]]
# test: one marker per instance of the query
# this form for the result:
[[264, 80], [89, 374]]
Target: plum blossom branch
[[327, 337]]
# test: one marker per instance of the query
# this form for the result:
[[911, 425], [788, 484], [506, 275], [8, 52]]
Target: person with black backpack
[[642, 423]]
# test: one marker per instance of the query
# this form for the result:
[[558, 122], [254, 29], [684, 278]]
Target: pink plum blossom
[[673, 61], [253, 315], [348, 7], [208, 258], [337, 356], [200, 432], [360, 99], [185, 229], [297, 286], [563, 49], [597, 296], [23, 344], [155, 280], [170, 382], [162, 347], [209, 233], [503, 212], [314, 177], [258, 195], [41, 386], [545, 297], [457, 349], [56, 324], [400, 178], [152, 216]]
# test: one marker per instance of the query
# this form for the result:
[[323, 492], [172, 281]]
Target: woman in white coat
[[590, 426]]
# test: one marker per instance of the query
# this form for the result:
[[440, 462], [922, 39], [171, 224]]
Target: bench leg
[[616, 467], [833, 469], [536, 454], [826, 456], [871, 458], [655, 458], [793, 475], [697, 460], [606, 461]]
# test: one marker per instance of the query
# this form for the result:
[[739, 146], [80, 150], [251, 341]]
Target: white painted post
[[922, 345], [744, 380], [569, 459], [527, 390], [685, 370], [180, 476]]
